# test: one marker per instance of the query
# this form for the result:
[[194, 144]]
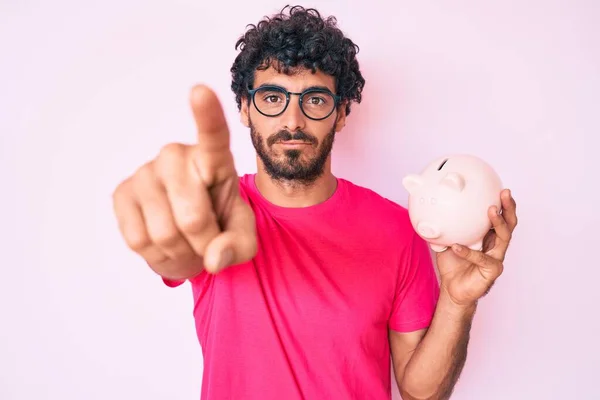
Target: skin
[[292, 193], [182, 213], [428, 363]]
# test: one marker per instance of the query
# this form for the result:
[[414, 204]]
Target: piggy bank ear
[[412, 182], [454, 181]]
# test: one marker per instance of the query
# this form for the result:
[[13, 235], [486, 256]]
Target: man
[[304, 283]]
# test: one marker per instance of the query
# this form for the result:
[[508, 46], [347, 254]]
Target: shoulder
[[364, 196], [246, 185], [380, 210]]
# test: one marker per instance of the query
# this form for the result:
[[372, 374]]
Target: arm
[[428, 363], [183, 211]]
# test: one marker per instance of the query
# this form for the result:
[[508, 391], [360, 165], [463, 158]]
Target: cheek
[[264, 125], [320, 130]]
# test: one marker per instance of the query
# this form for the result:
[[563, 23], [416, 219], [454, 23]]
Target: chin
[[292, 154]]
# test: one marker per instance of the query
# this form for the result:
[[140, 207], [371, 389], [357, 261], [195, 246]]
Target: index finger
[[212, 129], [490, 268]]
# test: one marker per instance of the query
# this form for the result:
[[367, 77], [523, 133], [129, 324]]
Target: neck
[[293, 193]]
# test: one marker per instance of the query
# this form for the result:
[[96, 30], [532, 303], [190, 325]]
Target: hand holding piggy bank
[[448, 202]]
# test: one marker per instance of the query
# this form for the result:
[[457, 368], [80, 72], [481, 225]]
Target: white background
[[89, 91]]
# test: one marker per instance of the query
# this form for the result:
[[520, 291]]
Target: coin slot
[[442, 164]]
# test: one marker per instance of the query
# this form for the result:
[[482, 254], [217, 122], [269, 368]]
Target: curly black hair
[[302, 39]]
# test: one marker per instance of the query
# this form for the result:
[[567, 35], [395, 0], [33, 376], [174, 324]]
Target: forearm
[[437, 362]]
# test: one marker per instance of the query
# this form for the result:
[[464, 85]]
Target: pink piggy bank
[[449, 201]]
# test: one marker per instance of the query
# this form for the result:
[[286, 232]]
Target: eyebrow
[[320, 87]]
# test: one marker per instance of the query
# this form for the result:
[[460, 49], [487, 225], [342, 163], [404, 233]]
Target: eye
[[422, 200], [433, 201], [316, 101], [272, 98]]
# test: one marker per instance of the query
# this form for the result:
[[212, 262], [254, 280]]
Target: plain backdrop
[[91, 90]]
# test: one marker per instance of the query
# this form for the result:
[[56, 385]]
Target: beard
[[291, 166]]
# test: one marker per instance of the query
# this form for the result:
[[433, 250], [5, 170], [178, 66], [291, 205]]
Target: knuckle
[[467, 253], [499, 261], [194, 222], [165, 237], [172, 150], [170, 161], [121, 193], [143, 175], [171, 154], [137, 240], [481, 258], [212, 168]]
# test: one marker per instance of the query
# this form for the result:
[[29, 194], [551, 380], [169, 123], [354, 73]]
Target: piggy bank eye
[[422, 200], [433, 200]]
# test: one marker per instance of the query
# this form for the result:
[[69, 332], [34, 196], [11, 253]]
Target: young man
[[304, 283]]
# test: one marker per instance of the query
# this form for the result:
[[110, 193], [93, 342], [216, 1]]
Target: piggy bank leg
[[437, 248]]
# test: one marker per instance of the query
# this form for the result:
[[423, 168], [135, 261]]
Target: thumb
[[237, 243], [489, 267]]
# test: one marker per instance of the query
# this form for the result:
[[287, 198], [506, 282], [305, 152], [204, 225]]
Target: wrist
[[455, 310]]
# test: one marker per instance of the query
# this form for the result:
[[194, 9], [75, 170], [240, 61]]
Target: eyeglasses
[[315, 103]]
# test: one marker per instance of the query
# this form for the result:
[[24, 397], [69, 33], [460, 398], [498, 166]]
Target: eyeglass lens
[[315, 104]]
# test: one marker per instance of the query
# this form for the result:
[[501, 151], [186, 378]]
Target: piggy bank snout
[[448, 201], [428, 230]]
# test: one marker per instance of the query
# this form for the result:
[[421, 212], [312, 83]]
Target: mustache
[[284, 136]]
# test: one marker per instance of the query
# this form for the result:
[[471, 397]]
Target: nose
[[293, 119]]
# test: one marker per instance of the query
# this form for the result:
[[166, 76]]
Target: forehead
[[295, 81]]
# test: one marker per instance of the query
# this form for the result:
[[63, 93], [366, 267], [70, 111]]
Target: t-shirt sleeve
[[172, 283], [417, 289]]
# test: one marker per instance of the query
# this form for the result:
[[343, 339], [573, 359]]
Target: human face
[[291, 146]]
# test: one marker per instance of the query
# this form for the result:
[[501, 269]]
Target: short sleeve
[[417, 289], [172, 283]]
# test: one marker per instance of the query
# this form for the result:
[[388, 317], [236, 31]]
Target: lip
[[294, 143]]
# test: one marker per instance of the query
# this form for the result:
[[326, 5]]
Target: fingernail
[[219, 260], [212, 262]]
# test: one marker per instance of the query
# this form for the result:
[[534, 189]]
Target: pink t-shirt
[[308, 317]]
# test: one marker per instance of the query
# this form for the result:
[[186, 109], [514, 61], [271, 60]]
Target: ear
[[244, 110], [412, 182], [341, 117], [454, 181]]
